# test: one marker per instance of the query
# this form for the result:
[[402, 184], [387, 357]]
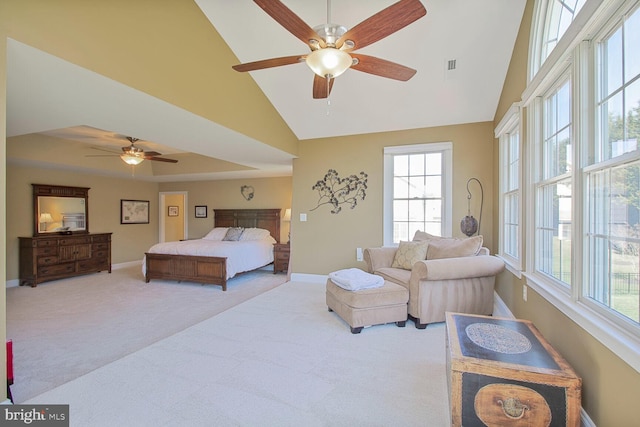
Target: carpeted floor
[[67, 328], [278, 359]]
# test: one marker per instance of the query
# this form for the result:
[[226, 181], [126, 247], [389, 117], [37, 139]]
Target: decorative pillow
[[409, 253], [217, 234], [454, 248], [233, 234], [422, 235], [255, 234]]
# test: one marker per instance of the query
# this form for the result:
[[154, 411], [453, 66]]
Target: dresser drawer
[[46, 242], [101, 238], [47, 260], [54, 270], [47, 250], [100, 246], [74, 241]]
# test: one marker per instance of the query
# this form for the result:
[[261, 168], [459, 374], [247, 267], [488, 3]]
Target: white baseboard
[[14, 283], [500, 309]]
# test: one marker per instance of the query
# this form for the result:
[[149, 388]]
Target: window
[[417, 191], [508, 132], [553, 188], [557, 16], [613, 231], [582, 213]]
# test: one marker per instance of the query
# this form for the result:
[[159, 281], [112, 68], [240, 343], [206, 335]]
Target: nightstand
[[281, 253]]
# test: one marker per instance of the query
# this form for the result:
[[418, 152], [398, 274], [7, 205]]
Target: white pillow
[[217, 233], [255, 234]]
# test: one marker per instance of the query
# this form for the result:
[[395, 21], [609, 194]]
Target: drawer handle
[[513, 408]]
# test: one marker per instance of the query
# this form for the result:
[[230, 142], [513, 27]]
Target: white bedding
[[241, 256]]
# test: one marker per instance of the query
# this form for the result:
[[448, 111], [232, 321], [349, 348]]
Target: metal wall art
[[335, 191]]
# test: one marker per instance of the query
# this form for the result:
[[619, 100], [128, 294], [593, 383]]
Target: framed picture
[[173, 210], [134, 211], [201, 211]]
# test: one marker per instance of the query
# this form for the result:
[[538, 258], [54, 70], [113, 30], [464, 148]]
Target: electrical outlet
[[524, 292], [358, 254]]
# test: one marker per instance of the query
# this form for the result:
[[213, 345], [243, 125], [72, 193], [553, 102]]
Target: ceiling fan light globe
[[329, 62], [131, 160]]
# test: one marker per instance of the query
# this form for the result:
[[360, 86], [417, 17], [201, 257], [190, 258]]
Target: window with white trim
[[508, 133], [558, 15], [553, 187], [613, 175], [417, 192], [583, 207]]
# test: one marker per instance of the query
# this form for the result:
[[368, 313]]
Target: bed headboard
[[269, 219]]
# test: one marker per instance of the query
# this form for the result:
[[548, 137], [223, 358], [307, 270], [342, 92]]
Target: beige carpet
[[67, 328], [278, 359]]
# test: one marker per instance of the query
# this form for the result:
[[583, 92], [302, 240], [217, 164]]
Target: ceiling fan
[[133, 155], [332, 45]]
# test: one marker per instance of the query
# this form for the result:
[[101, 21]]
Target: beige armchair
[[462, 284]]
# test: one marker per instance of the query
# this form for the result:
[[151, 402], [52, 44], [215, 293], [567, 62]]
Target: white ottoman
[[367, 307]]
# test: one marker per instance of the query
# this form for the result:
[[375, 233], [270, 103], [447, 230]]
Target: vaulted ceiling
[[45, 120]]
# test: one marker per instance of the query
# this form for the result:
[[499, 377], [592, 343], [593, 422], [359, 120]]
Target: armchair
[[458, 284]]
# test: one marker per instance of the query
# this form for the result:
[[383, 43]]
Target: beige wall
[[328, 242], [269, 193], [3, 189], [610, 386]]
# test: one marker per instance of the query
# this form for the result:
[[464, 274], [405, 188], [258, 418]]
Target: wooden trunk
[[503, 372]]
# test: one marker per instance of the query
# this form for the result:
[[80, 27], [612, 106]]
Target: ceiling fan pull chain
[[328, 94]]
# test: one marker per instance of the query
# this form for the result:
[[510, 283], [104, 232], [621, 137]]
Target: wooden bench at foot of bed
[[200, 269]]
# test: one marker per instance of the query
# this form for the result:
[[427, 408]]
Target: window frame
[[511, 122], [574, 53], [446, 148]]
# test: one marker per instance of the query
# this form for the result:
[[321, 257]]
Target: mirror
[[60, 210]]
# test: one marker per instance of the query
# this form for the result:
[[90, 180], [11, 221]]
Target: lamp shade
[[131, 159], [287, 215], [329, 62], [45, 217]]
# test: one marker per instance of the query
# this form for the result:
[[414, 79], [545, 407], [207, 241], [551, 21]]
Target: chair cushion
[[454, 248]]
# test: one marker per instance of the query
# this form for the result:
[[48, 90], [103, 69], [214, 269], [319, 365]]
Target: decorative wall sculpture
[[247, 192], [336, 191]]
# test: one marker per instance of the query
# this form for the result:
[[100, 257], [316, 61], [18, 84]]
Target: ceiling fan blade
[[384, 23], [320, 89], [160, 159], [152, 154], [105, 150], [382, 67], [268, 63], [290, 21]]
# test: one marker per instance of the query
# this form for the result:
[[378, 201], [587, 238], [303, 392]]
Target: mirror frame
[[58, 191]]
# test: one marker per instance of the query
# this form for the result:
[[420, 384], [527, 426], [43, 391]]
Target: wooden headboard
[[268, 219]]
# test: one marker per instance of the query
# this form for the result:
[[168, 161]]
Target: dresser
[[54, 256], [281, 252]]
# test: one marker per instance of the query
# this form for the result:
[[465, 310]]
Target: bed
[[184, 260]]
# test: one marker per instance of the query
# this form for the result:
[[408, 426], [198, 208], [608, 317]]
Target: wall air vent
[[451, 64]]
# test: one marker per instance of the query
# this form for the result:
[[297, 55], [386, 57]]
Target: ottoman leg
[[330, 309], [356, 330]]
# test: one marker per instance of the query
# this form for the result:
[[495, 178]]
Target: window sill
[[623, 343]]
